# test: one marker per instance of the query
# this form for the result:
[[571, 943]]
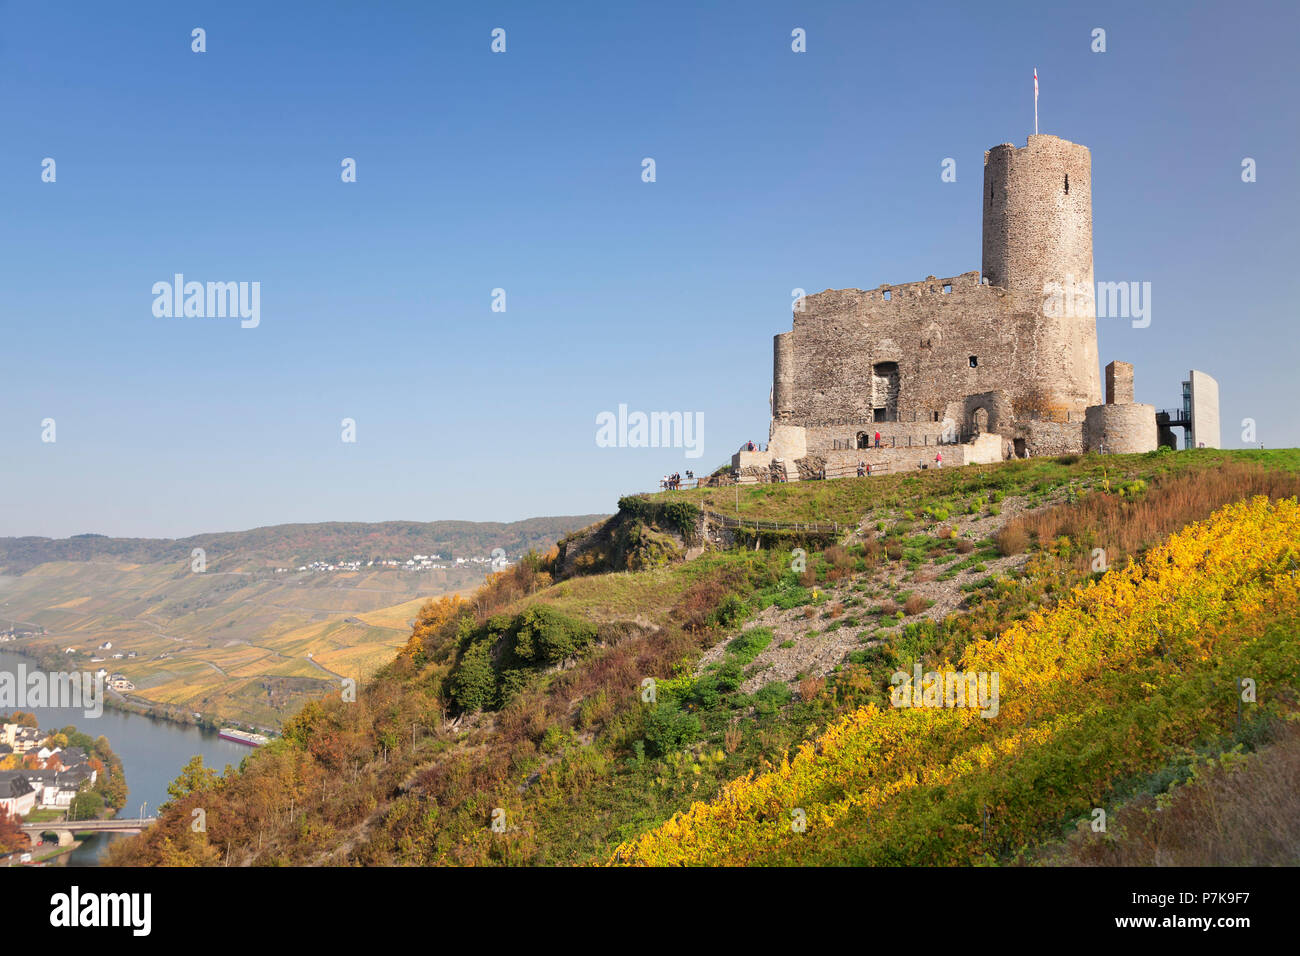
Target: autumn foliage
[[1096, 689]]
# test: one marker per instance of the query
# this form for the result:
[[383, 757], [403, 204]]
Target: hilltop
[[580, 705], [296, 544]]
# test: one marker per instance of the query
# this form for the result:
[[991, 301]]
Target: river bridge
[[65, 830]]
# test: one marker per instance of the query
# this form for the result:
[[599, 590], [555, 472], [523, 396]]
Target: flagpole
[[1035, 101]]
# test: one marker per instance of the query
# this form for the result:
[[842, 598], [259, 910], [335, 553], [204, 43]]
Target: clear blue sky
[[775, 170]]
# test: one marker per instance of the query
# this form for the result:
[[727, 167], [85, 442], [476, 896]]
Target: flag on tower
[[1035, 101]]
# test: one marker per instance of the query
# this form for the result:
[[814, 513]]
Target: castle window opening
[[885, 295], [884, 392], [948, 287], [1067, 184], [974, 361]]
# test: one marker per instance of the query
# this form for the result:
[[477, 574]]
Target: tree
[[474, 684], [111, 784], [298, 728], [77, 739], [194, 778], [11, 835], [190, 849], [87, 805]]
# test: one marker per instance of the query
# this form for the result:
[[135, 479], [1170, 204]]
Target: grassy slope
[[568, 759], [847, 501]]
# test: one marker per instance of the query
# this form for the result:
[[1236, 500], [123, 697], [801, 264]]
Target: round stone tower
[[783, 376], [1038, 248]]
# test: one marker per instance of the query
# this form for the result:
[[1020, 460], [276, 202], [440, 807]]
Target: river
[[152, 752]]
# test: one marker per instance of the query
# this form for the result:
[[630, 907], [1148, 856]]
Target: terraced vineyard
[[241, 641]]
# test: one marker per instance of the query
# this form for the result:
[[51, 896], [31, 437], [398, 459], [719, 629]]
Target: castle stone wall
[[1044, 438], [945, 346], [1119, 383]]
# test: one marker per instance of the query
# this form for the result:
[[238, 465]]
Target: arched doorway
[[864, 440], [980, 420]]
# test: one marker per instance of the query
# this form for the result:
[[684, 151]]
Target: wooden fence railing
[[731, 521]]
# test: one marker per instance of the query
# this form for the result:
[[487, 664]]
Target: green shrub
[[511, 682], [681, 516], [745, 647], [538, 637], [731, 612], [771, 698], [706, 693], [544, 635], [730, 675], [668, 728], [869, 656], [552, 740], [793, 597], [474, 684]]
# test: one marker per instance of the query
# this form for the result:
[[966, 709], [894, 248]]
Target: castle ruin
[[976, 367]]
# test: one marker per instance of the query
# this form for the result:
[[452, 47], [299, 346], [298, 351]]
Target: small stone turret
[[1121, 426]]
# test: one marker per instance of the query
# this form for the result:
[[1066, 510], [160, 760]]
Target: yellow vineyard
[[1103, 686]]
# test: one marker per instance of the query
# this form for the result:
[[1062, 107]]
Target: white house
[[54, 789], [17, 796]]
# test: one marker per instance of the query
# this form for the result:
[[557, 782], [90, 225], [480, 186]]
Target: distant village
[[117, 682], [417, 562]]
